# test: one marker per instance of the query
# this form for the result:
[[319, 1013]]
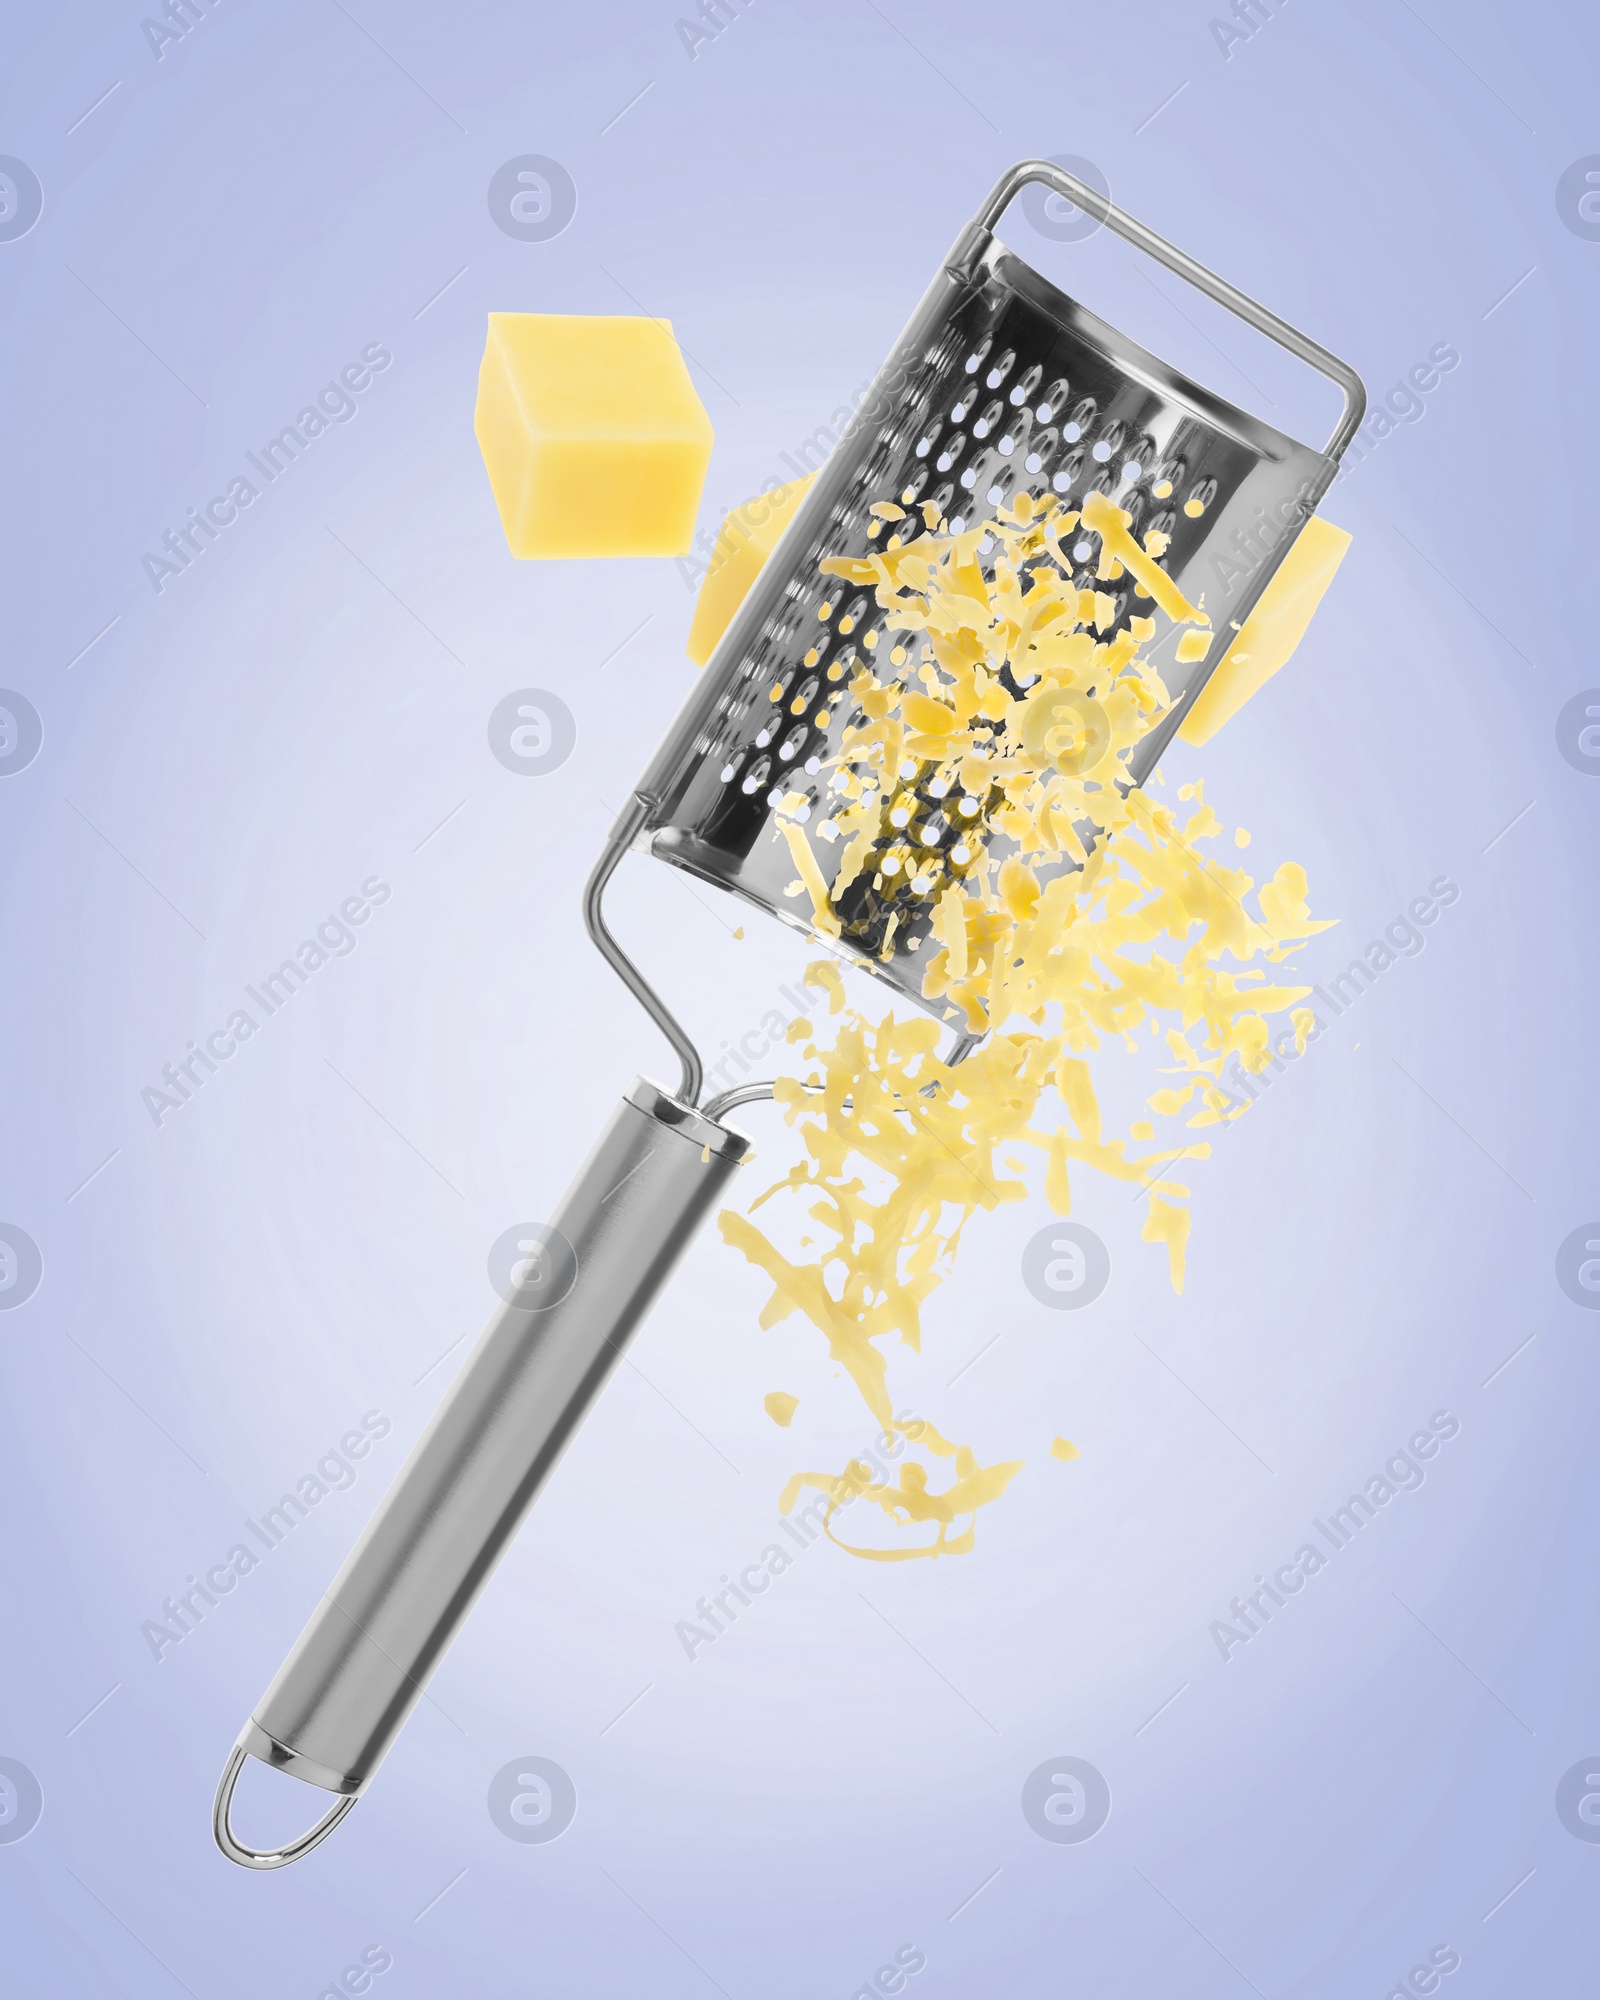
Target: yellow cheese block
[[594, 439], [1272, 631], [747, 538]]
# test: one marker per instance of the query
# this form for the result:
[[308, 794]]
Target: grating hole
[[974, 360], [1068, 471], [954, 446], [1001, 369], [1055, 398], [1026, 386], [989, 419]]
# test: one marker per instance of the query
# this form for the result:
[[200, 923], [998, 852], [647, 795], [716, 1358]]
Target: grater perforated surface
[[1002, 384]]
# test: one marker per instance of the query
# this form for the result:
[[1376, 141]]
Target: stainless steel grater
[[1000, 384]]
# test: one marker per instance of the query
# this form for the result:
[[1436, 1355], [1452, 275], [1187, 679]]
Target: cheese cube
[[1272, 631], [747, 538], [593, 437]]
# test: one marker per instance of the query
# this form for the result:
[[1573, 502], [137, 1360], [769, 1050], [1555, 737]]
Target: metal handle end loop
[[268, 1857]]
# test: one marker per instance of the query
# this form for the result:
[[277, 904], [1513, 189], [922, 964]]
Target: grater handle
[[372, 1644], [1092, 202]]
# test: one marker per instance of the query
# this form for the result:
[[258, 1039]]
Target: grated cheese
[[1088, 911]]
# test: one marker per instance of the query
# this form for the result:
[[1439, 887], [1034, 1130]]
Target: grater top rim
[[1252, 432], [980, 232]]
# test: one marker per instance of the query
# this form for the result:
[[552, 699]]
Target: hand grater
[[1001, 384]]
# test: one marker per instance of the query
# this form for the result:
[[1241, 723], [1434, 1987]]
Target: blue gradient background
[[839, 1775]]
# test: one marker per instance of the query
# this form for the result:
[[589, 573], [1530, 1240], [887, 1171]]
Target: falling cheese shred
[[1065, 910]]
